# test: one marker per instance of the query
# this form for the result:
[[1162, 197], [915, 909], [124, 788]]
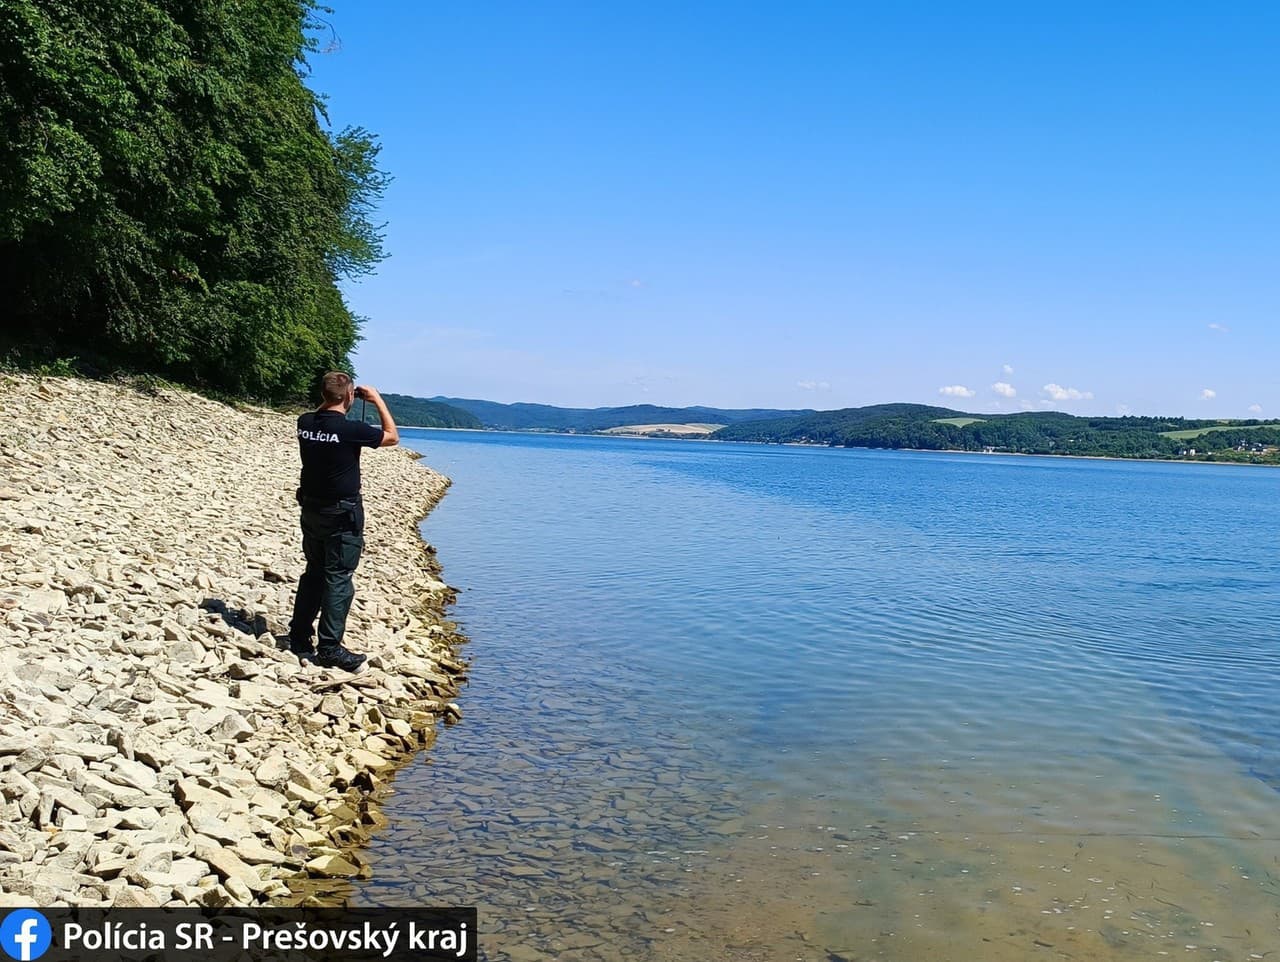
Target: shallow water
[[746, 702]]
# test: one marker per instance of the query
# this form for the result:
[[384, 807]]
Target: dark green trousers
[[332, 539]]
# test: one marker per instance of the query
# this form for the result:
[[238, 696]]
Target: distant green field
[[1196, 432], [959, 422]]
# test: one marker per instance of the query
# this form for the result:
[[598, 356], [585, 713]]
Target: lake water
[[748, 702]]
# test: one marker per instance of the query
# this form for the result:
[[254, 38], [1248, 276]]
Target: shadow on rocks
[[246, 621]]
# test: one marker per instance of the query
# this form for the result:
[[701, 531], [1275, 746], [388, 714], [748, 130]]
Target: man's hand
[[390, 435]]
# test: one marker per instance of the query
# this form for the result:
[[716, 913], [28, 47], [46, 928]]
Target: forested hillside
[[419, 413], [546, 417], [930, 428], [172, 198], [904, 426]]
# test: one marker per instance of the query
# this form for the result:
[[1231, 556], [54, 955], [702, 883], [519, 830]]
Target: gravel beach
[[157, 747]]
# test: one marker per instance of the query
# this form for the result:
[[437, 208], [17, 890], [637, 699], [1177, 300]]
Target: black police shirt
[[330, 446]]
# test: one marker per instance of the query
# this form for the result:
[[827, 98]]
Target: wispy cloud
[[1004, 389], [1123, 410], [1255, 408], [1056, 392], [1208, 394], [956, 390], [1220, 328], [813, 385], [1008, 370]]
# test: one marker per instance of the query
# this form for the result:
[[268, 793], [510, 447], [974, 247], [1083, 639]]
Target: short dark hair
[[334, 387]]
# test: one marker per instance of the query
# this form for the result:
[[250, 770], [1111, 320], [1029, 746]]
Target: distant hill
[[832, 427], [420, 413], [546, 417], [919, 426], [901, 426]]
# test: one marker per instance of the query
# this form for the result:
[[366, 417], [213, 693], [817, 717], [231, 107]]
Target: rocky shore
[[157, 747]]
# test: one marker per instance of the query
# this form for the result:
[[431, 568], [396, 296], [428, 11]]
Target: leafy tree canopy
[[171, 198]]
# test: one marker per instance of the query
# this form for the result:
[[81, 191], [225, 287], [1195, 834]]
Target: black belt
[[318, 504]]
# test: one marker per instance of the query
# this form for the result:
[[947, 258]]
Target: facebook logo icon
[[25, 935]]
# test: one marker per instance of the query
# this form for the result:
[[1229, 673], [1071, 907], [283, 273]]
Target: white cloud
[[1123, 410], [1008, 370], [1057, 392], [956, 390], [1004, 389], [813, 385], [1208, 394], [1220, 328], [1255, 408], [1026, 405]]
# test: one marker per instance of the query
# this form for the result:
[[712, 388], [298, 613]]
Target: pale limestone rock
[[139, 818], [133, 773], [11, 842], [87, 750], [363, 758], [71, 821], [227, 864], [227, 829], [255, 853], [234, 727], [301, 776], [109, 866], [67, 799], [332, 866], [399, 728], [134, 897], [298, 793], [32, 758], [273, 772], [191, 792], [44, 602], [187, 871], [91, 785]]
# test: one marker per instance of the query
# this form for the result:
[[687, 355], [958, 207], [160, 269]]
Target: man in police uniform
[[333, 516]]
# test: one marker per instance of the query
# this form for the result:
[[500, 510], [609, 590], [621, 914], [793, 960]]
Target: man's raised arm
[[390, 435]]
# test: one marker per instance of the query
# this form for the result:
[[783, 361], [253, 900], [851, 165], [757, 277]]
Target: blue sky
[[991, 206]]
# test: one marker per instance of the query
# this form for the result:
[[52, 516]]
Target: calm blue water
[[735, 701]]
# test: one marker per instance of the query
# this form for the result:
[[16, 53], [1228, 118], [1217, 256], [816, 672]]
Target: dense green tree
[[171, 198]]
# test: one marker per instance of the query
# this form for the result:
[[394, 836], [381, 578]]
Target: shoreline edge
[[157, 747]]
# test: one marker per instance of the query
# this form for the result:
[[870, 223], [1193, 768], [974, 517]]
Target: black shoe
[[303, 652], [339, 657]]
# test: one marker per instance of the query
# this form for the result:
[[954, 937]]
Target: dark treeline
[[419, 413], [171, 198], [914, 426], [547, 417]]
